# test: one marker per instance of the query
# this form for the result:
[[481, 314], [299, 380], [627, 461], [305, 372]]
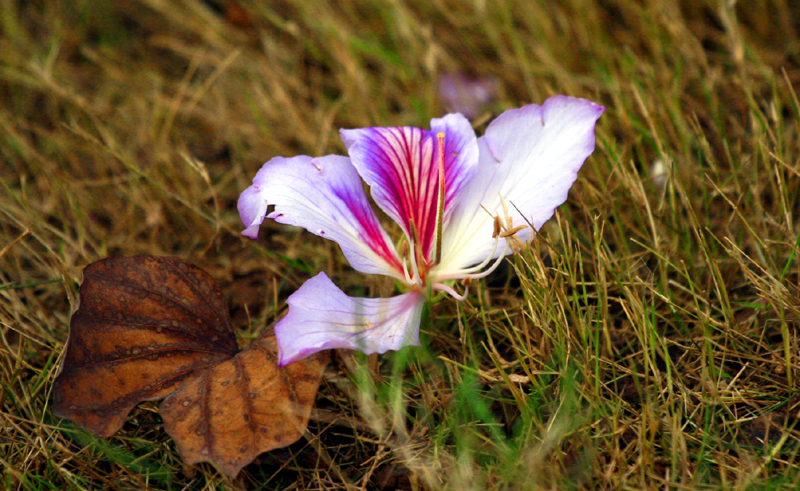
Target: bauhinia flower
[[460, 201]]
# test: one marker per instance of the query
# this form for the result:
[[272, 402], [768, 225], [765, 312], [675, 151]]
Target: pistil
[[500, 231], [437, 245]]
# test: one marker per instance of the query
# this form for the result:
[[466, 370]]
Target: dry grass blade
[[647, 340]]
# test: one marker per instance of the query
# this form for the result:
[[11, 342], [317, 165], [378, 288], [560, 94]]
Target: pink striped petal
[[325, 196], [322, 317], [529, 158], [399, 164]]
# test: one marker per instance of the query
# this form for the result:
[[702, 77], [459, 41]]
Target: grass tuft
[[648, 339]]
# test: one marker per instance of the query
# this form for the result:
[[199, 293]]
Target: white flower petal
[[529, 158], [322, 317], [325, 196]]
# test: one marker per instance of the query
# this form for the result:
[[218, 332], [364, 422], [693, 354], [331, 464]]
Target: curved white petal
[[529, 158], [324, 195], [322, 317]]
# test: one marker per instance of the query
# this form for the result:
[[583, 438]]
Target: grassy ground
[[647, 340]]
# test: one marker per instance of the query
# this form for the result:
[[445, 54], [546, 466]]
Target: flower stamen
[[472, 273], [494, 266], [500, 231], [450, 291], [404, 248], [474, 269], [409, 279], [416, 279]]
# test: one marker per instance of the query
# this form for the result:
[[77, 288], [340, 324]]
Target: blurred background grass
[[647, 340]]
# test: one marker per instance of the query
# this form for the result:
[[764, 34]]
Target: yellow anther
[[498, 227], [509, 233]]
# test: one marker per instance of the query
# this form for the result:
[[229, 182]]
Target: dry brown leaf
[[143, 325], [231, 413], [150, 326]]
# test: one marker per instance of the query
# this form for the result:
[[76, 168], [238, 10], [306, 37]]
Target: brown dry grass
[[648, 340]]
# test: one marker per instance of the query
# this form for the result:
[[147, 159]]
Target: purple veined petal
[[322, 317], [529, 158], [325, 196], [399, 164]]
